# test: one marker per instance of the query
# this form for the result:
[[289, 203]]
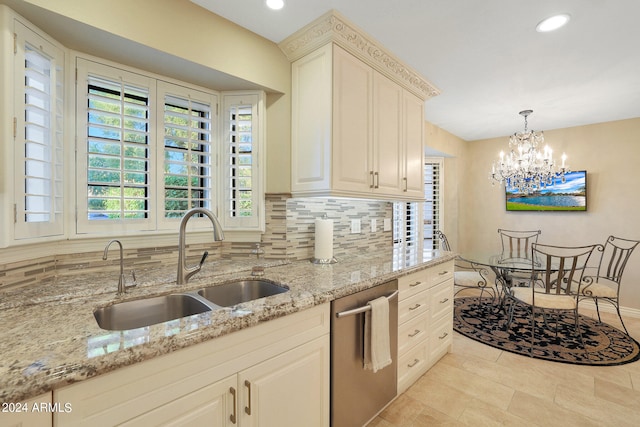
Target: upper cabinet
[[357, 116]]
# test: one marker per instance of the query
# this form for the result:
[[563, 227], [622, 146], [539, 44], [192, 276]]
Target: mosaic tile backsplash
[[289, 235]]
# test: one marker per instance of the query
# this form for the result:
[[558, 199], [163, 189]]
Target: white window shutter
[[188, 174], [243, 178], [39, 133]]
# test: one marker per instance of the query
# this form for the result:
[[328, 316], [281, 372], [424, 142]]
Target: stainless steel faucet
[[121, 280], [184, 271]]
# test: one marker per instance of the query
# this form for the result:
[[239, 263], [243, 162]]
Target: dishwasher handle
[[363, 308]]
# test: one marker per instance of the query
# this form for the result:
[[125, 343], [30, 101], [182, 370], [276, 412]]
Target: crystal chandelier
[[524, 168]]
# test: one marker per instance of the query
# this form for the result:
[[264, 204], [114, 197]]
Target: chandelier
[[524, 168]]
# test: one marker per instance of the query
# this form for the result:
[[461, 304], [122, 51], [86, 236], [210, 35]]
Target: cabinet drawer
[[441, 303], [413, 306], [412, 332], [441, 272], [412, 365], [440, 339], [413, 283]]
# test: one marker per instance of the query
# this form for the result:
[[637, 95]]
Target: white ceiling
[[486, 57]]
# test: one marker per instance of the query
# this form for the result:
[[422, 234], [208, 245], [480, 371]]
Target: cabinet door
[[289, 390], [387, 133], [413, 125], [352, 114], [213, 405], [311, 80]]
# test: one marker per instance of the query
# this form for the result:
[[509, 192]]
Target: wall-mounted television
[[570, 195]]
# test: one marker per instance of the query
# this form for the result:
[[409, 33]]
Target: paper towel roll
[[324, 239]]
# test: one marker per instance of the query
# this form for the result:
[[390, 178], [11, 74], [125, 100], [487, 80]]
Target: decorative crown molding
[[333, 27]]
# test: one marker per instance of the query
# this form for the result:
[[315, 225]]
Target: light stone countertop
[[49, 337]]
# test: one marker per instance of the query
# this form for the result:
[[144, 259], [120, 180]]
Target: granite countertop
[[50, 337]]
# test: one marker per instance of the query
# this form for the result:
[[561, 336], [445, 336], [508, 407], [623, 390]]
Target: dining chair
[[516, 244], [613, 259], [556, 287], [467, 275]]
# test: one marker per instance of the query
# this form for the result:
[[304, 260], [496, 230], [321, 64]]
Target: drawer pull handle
[[442, 273], [412, 364], [444, 300], [247, 409], [443, 336], [415, 284], [232, 417], [416, 332], [415, 307]]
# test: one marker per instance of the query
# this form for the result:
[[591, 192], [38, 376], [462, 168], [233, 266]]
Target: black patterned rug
[[481, 320]]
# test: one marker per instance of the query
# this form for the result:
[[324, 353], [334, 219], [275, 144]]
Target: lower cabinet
[[287, 390], [425, 321], [273, 374]]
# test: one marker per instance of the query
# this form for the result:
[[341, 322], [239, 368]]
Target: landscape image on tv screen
[[570, 195]]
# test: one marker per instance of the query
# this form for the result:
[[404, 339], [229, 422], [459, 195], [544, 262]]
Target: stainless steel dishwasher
[[358, 394]]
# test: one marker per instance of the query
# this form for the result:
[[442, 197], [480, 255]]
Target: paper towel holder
[[327, 260]]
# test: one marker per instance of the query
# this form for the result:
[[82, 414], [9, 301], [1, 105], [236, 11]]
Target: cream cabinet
[[34, 412], [425, 321], [355, 132], [287, 390], [272, 374]]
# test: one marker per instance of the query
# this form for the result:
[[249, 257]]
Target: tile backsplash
[[289, 234]]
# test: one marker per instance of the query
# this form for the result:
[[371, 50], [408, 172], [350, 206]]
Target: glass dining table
[[508, 269]]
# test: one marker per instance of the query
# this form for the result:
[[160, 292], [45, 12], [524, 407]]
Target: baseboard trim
[[606, 307]]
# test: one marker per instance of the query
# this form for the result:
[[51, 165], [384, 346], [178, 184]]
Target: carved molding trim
[[332, 27]]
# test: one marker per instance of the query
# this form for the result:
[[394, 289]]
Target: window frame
[[55, 134], [202, 97], [407, 216], [436, 197], [71, 222], [256, 221], [84, 226]]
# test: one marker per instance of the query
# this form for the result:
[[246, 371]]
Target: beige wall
[[610, 152], [454, 151]]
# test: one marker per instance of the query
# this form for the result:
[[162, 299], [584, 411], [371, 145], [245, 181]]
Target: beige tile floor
[[478, 385]]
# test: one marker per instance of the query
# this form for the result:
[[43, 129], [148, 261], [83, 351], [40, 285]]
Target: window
[[407, 230], [38, 130], [188, 151], [146, 147], [117, 150], [115, 133], [243, 207], [148, 151], [432, 213]]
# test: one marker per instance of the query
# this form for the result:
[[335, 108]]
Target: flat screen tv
[[570, 195]]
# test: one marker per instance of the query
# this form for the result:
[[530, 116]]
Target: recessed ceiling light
[[275, 4], [553, 23]]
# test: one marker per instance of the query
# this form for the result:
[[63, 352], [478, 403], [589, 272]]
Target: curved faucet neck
[[184, 271], [121, 284]]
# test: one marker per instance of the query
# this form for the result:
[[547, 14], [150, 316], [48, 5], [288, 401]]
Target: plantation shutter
[[406, 232], [187, 156], [432, 217], [242, 182], [39, 136], [117, 150], [114, 148]]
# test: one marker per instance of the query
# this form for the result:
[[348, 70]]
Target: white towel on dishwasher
[[377, 345]]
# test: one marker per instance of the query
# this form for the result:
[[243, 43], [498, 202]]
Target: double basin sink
[[149, 311]]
